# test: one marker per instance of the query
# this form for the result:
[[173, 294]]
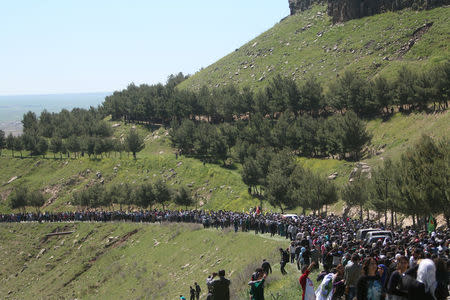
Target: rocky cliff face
[[301, 5], [344, 10]]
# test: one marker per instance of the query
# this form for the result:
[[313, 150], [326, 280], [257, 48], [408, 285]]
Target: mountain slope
[[308, 44], [130, 261]]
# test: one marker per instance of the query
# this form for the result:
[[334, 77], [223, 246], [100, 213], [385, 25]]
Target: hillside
[[308, 44], [131, 261], [216, 187]]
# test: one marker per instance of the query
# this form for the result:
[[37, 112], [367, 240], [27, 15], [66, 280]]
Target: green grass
[[99, 261], [294, 48], [401, 132], [215, 187]]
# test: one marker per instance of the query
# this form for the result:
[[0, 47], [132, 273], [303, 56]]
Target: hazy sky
[[66, 46]]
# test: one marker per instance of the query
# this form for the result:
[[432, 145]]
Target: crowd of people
[[413, 264]]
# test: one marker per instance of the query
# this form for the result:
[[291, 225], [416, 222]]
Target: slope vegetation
[[130, 261], [309, 44], [215, 187]]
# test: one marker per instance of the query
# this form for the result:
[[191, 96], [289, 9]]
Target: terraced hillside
[[309, 44]]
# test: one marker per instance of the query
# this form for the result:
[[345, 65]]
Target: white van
[[361, 234], [375, 239], [377, 233], [290, 216]]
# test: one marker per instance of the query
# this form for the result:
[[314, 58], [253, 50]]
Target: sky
[[76, 46]]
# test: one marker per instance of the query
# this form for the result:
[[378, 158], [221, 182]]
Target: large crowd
[[411, 264]]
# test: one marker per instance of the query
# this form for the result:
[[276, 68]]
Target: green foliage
[[161, 192], [9, 143], [56, 145], [349, 92], [36, 199], [355, 135], [18, 144], [419, 179], [182, 197], [42, 146], [19, 198], [22, 197], [356, 193], [2, 141], [277, 185], [134, 142]]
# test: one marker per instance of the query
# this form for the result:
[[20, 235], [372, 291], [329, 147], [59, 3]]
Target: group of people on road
[[408, 267]]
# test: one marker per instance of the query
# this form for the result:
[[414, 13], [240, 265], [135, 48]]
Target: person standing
[[352, 272], [369, 286], [220, 288], [395, 288], [192, 293], [198, 290], [307, 284], [292, 252]]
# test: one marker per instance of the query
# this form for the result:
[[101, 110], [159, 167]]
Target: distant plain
[[13, 107]]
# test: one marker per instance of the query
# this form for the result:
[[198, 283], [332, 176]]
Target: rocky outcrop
[[300, 5], [344, 10]]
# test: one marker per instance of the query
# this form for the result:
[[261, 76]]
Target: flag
[[431, 224]]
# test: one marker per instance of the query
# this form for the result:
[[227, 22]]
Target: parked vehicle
[[377, 238], [372, 234], [361, 234], [290, 216]]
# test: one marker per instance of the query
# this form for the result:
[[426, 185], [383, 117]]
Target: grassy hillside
[[216, 187], [131, 261], [308, 44]]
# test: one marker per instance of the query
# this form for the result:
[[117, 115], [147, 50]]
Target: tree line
[[340, 136], [22, 197], [77, 132], [144, 196], [287, 184], [408, 90], [416, 185]]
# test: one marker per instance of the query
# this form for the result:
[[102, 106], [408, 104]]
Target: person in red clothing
[[307, 284]]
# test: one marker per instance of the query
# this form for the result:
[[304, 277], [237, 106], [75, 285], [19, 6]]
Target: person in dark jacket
[[284, 260], [220, 287], [420, 281], [395, 288], [192, 293], [198, 290], [266, 267]]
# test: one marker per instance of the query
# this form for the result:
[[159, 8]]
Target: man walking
[[284, 260], [266, 267]]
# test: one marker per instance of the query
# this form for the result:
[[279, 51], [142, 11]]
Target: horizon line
[[54, 94]]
